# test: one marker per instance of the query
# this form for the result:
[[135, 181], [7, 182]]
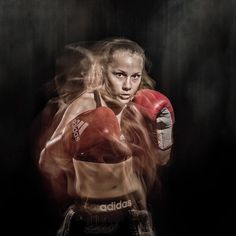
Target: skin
[[124, 76]]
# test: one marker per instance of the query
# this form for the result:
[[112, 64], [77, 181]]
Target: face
[[124, 75]]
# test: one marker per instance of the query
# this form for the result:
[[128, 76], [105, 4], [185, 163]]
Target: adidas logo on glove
[[78, 127], [116, 205]]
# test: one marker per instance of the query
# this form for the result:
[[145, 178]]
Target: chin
[[124, 101]]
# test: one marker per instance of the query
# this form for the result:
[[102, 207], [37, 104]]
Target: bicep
[[69, 114], [80, 105], [53, 151]]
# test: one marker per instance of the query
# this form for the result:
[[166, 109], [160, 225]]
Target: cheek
[[114, 83], [136, 84], [110, 84]]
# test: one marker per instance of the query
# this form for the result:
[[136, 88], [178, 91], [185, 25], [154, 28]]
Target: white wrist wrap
[[163, 129]]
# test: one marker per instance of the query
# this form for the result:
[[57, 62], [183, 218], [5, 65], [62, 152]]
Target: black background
[[192, 48]]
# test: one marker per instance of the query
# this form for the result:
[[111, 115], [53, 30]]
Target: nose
[[126, 84]]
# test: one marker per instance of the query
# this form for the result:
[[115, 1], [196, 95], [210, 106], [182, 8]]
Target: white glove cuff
[[164, 138], [163, 129]]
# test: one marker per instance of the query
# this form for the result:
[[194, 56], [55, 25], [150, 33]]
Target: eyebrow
[[121, 71]]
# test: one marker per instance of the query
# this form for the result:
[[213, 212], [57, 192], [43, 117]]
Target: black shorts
[[131, 222]]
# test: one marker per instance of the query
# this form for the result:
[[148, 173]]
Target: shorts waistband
[[131, 201]]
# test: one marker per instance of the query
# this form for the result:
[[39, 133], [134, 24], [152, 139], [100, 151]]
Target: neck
[[114, 105]]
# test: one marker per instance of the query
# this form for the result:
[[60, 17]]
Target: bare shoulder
[[83, 103]]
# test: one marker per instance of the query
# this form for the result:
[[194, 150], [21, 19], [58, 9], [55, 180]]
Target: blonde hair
[[105, 49], [83, 66]]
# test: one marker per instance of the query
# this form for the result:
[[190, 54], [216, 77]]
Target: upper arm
[[84, 103], [53, 148]]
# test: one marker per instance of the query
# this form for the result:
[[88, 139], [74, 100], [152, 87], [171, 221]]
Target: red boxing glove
[[95, 136], [157, 108]]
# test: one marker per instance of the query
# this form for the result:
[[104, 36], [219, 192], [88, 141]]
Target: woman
[[102, 158]]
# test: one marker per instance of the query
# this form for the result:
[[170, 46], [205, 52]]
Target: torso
[[101, 180]]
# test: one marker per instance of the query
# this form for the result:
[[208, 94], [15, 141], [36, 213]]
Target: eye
[[119, 75], [136, 77]]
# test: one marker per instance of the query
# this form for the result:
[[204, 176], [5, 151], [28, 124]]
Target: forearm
[[50, 154], [55, 165]]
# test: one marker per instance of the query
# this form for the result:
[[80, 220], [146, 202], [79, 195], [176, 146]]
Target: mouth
[[125, 96]]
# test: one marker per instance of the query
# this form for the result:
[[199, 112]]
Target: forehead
[[126, 60]]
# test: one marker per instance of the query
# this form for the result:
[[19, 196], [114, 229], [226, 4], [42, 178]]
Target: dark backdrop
[[192, 48]]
